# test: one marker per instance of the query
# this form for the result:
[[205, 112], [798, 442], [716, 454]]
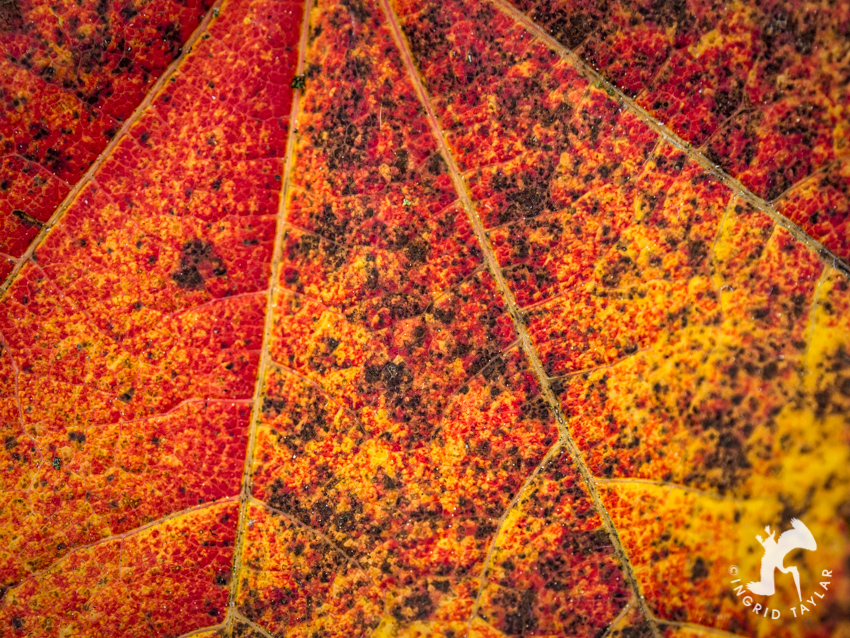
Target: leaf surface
[[759, 90], [396, 318], [72, 74]]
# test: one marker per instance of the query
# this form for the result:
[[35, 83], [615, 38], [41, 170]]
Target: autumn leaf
[[399, 318], [71, 76]]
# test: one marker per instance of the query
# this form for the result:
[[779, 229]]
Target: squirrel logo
[[775, 551]]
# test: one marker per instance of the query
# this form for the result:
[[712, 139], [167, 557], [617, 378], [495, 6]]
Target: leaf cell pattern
[[131, 342], [72, 73], [758, 88], [395, 318]]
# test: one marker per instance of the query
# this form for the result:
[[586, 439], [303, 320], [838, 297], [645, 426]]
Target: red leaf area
[[760, 88], [454, 342], [130, 350], [71, 74]]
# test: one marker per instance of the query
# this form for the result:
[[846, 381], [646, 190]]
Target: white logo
[[775, 552], [798, 537]]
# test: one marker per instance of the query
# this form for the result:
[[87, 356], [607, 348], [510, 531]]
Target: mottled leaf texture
[[71, 74], [407, 318]]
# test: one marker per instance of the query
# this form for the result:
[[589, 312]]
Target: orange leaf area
[[760, 89], [72, 74], [130, 346], [132, 585], [683, 330], [394, 320]]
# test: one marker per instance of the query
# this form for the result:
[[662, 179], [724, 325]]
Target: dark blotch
[[699, 570], [11, 17], [519, 612], [27, 220], [417, 251], [415, 607], [197, 264], [357, 9]]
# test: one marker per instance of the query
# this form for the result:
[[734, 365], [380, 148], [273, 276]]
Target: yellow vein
[[349, 558], [812, 314], [117, 537], [614, 624], [701, 628], [603, 366], [202, 630], [566, 438], [251, 624], [265, 359], [312, 530], [502, 354], [212, 302], [696, 155], [107, 152], [515, 501], [670, 485]]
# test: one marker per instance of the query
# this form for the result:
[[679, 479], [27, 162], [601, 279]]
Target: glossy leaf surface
[[396, 318]]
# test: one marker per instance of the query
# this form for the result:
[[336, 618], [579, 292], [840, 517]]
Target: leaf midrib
[[265, 357], [565, 437]]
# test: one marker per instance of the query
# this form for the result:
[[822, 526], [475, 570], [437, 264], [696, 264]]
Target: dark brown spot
[[415, 607], [11, 17], [699, 570], [26, 219], [198, 263]]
